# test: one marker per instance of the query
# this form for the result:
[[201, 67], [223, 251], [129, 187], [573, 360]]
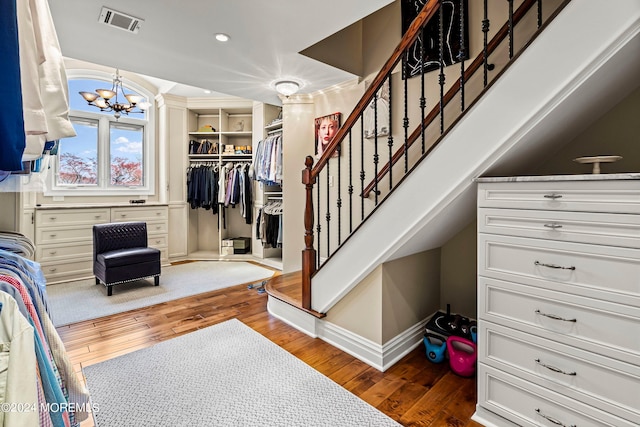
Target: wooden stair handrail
[[427, 12], [502, 34]]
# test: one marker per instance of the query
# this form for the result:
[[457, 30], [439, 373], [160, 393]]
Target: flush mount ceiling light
[[286, 87], [222, 37]]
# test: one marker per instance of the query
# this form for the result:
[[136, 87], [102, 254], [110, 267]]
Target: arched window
[[109, 155]]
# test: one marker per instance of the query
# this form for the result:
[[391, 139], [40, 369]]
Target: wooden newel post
[[309, 253]]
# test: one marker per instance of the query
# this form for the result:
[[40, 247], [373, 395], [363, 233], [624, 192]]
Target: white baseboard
[[381, 357], [293, 316]]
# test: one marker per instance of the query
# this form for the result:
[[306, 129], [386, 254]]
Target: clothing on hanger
[[41, 355]]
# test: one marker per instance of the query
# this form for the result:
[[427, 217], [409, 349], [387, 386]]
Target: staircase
[[579, 64]]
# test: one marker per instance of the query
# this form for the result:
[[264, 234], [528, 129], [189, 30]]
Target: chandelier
[[107, 100]]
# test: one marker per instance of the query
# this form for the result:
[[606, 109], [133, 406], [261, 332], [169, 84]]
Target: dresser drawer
[[46, 253], [60, 217], [586, 196], [157, 227], [606, 272], [602, 327], [530, 405], [148, 213], [159, 241], [65, 271], [596, 380], [69, 234], [581, 227]]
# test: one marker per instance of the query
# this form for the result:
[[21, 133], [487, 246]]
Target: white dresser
[[64, 239], [559, 301]]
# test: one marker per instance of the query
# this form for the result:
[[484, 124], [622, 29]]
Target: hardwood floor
[[414, 391]]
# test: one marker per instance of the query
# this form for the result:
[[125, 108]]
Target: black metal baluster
[[375, 157], [441, 77], [339, 201], [423, 99], [362, 174], [485, 54], [318, 226], [390, 139], [510, 28], [405, 121], [328, 214], [539, 13], [350, 184], [462, 53]]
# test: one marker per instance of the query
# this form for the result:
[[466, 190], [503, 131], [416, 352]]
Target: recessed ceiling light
[[222, 37], [207, 91]]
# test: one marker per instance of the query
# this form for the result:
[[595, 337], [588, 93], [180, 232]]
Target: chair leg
[[97, 281], [156, 280], [109, 291]]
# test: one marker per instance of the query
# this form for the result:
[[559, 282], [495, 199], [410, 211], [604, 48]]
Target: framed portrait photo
[[326, 128]]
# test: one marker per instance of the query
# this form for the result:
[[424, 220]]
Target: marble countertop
[[542, 178]]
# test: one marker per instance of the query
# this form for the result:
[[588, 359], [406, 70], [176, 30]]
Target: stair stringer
[[594, 64]]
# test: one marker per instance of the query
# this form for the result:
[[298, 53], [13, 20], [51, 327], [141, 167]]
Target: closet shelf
[[224, 133], [217, 156], [274, 125]]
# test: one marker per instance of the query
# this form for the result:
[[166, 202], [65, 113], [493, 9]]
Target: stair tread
[[288, 288]]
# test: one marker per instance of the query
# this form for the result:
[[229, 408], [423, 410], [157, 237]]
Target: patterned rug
[[80, 300], [223, 375]]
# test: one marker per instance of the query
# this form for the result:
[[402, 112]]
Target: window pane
[[77, 156], [77, 102], [126, 150]]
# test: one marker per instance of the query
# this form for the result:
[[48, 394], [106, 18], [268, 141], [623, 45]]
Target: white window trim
[[149, 165]]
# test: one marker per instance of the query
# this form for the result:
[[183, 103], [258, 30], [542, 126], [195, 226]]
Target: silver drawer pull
[[554, 266], [553, 420], [553, 196], [554, 317], [158, 213], [52, 218], [554, 369], [123, 215], [158, 227], [98, 216], [53, 270], [52, 235], [553, 225], [158, 241], [53, 252]]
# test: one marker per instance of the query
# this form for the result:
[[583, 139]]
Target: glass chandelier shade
[[108, 99]]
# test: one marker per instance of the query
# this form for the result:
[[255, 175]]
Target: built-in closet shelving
[[267, 195], [230, 131]]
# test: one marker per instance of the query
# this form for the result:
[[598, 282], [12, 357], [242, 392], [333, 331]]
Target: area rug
[[80, 300], [223, 375]]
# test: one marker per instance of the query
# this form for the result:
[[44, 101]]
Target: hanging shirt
[[12, 136]]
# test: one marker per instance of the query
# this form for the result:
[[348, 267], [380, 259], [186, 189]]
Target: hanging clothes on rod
[[269, 223], [38, 373], [35, 83], [236, 189], [267, 162], [202, 186]]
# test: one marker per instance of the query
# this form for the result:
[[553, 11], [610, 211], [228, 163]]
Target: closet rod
[[272, 132]]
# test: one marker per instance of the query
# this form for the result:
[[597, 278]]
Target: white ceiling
[[176, 41]]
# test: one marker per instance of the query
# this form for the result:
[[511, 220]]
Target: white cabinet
[[64, 236], [220, 134], [559, 301]]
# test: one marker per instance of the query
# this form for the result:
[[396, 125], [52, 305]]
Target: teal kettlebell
[[435, 347]]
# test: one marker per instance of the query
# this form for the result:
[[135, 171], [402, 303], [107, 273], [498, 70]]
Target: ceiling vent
[[120, 20]]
